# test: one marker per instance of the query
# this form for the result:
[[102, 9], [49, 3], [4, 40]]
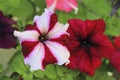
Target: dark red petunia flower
[[7, 40], [115, 59], [88, 44]]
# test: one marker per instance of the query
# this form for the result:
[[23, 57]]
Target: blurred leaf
[[112, 26], [50, 72], [40, 6], [19, 8], [6, 78], [24, 10], [27, 76], [98, 6], [39, 74], [102, 74], [14, 3], [73, 73], [17, 64], [1, 68], [61, 70]]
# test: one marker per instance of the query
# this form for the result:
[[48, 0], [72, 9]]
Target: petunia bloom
[[43, 42], [7, 39], [88, 45], [64, 5], [115, 59]]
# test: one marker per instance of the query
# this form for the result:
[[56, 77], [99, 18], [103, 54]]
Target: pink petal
[[65, 5]]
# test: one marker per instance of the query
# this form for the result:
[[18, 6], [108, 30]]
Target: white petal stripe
[[36, 57], [60, 52], [27, 35], [43, 21], [58, 30]]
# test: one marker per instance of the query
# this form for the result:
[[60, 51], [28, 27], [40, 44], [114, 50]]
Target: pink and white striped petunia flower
[[64, 5], [44, 42]]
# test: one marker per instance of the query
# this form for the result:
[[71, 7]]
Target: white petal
[[36, 57], [27, 35], [43, 21], [58, 30], [60, 52]]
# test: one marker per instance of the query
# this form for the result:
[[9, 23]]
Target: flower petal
[[95, 26], [78, 27], [64, 5], [27, 35], [117, 42], [53, 21], [36, 57], [115, 60], [103, 45], [58, 30], [27, 47], [43, 21], [32, 27], [7, 40], [49, 57], [59, 51]]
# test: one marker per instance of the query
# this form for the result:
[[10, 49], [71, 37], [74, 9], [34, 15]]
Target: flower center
[[85, 42], [43, 38]]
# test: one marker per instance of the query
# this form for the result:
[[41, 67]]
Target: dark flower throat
[[43, 37], [85, 42]]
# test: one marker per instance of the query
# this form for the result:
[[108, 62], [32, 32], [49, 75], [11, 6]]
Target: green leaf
[[1, 68], [28, 76], [24, 10], [14, 3], [5, 78], [40, 6], [39, 74], [50, 72], [102, 74], [112, 26], [73, 73], [61, 70], [17, 63]]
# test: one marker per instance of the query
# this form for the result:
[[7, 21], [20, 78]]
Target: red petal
[[78, 27], [53, 21], [88, 64], [103, 45], [115, 60], [32, 27], [49, 57], [63, 39], [117, 42], [73, 62], [27, 47], [95, 26]]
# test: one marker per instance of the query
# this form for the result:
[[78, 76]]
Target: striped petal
[[58, 30], [43, 21], [59, 51], [31, 35], [36, 57]]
